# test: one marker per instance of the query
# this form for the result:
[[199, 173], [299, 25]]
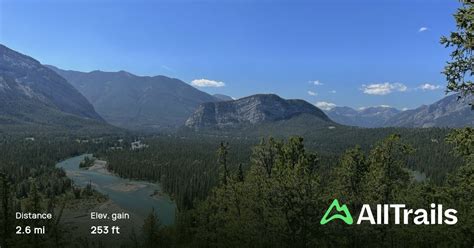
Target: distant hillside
[[366, 117], [447, 112], [35, 98], [222, 97], [138, 102], [252, 110]]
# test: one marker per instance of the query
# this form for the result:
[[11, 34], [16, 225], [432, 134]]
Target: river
[[135, 197]]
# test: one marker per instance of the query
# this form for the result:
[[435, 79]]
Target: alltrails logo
[[401, 215], [347, 217]]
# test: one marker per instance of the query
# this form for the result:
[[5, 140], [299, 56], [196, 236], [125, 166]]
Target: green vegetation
[[30, 182], [87, 162], [190, 169], [186, 166], [459, 71], [281, 196]]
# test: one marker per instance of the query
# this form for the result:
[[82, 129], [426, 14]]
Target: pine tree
[[277, 202], [222, 154], [350, 176], [459, 74], [460, 185], [240, 175], [6, 203], [150, 229], [387, 180], [34, 199], [459, 71], [387, 172], [265, 154]]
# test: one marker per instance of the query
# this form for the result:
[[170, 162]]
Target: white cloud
[[376, 106], [207, 83], [429, 87], [383, 88], [311, 93], [332, 91], [423, 29], [404, 109], [316, 82], [325, 105]]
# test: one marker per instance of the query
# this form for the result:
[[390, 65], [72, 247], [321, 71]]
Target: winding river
[[135, 197]]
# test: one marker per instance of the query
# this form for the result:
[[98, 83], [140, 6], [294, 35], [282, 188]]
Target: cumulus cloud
[[207, 83], [316, 82], [311, 93], [423, 29], [325, 105], [429, 87], [383, 88]]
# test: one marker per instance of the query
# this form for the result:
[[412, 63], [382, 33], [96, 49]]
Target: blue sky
[[348, 53]]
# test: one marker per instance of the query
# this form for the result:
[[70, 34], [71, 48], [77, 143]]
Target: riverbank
[[135, 197], [100, 166]]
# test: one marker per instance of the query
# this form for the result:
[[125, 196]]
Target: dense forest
[[186, 166], [199, 171], [29, 181], [281, 198], [227, 185]]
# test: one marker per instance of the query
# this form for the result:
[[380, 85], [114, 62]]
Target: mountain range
[[447, 112], [365, 117], [34, 97], [138, 102], [45, 97]]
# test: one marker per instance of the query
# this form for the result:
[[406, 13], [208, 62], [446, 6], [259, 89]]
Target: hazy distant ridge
[[138, 102], [447, 112]]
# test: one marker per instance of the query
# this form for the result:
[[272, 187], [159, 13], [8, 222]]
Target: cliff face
[[35, 99], [250, 111]]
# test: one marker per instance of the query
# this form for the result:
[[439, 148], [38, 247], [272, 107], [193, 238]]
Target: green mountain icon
[[347, 217]]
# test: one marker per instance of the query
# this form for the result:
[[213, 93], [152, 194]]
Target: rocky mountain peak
[[27, 77], [250, 110]]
